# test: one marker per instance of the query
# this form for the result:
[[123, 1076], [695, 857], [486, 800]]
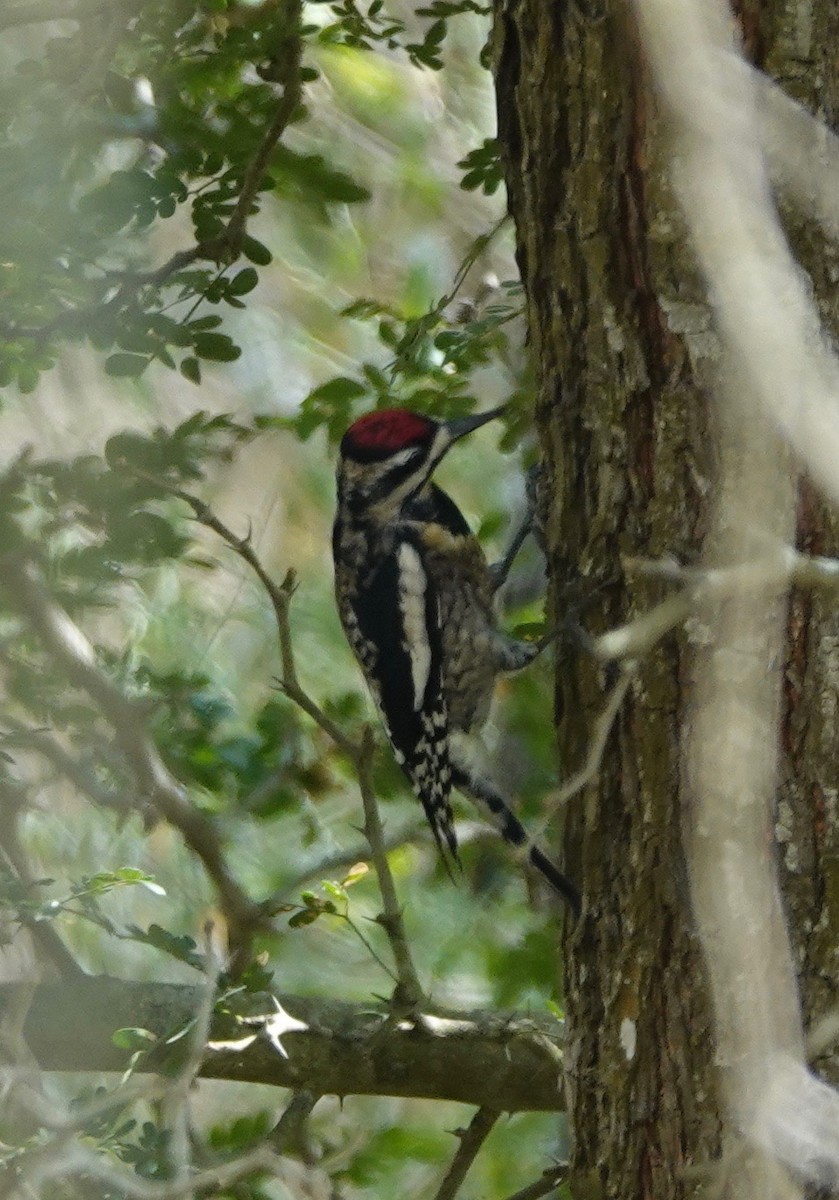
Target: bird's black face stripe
[[392, 480]]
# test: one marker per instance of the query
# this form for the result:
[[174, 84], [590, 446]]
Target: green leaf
[[244, 282], [135, 875], [133, 1038], [306, 917], [180, 946], [191, 369], [340, 390], [217, 347], [256, 251], [335, 891], [126, 365]]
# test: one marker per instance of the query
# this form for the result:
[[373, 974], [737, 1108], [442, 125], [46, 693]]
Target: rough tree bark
[[622, 344]]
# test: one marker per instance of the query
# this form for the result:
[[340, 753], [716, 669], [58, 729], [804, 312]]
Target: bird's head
[[388, 456]]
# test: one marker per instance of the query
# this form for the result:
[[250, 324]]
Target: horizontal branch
[[784, 568], [512, 1064]]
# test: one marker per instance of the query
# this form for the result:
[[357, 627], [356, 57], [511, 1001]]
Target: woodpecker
[[415, 596]]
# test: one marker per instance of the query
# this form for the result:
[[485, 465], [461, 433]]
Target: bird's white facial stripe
[[441, 443], [412, 588], [401, 456]]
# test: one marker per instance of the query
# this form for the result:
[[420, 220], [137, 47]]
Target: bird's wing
[[399, 613]]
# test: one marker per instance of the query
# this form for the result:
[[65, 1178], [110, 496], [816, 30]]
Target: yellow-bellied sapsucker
[[416, 599]]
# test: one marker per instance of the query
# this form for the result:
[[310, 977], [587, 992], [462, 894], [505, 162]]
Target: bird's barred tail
[[512, 830]]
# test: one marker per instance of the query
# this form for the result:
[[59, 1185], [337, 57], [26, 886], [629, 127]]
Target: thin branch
[[470, 258], [69, 646], [79, 1159], [280, 596], [427, 320], [47, 746], [408, 990], [637, 637], [290, 1134], [597, 745], [471, 1141], [590, 769], [227, 246], [174, 1102], [289, 68]]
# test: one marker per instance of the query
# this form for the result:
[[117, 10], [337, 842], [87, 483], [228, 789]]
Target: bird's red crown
[[379, 434]]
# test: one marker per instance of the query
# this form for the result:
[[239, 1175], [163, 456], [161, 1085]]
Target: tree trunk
[[622, 343]]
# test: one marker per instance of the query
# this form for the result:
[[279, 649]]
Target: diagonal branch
[[280, 596], [471, 1141], [43, 743], [339, 860], [69, 646]]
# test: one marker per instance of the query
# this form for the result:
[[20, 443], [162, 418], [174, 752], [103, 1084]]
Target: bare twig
[[290, 71], [596, 747], [590, 769], [290, 1132], [47, 746], [78, 1159], [69, 646], [227, 246], [428, 320], [471, 1141], [638, 637], [175, 1099]]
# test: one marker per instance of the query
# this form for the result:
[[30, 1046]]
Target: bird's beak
[[460, 426]]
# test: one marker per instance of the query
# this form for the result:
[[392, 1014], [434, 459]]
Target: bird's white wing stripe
[[412, 587]]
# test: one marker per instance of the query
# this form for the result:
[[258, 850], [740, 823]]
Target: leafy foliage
[[179, 115], [156, 157], [432, 364]]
